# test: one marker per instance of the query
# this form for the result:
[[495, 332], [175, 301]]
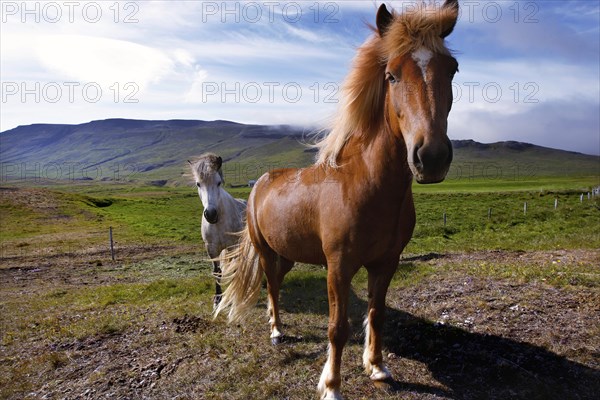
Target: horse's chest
[[217, 236]]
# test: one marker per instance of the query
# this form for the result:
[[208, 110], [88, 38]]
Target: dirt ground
[[454, 335]]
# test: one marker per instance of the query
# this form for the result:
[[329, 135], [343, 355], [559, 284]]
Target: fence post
[[490, 213], [112, 247], [581, 198], [555, 203], [525, 208], [444, 219]]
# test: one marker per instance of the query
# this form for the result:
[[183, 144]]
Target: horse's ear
[[383, 19], [219, 162], [451, 8]]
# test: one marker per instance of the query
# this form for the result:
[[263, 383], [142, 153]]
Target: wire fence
[[104, 244]]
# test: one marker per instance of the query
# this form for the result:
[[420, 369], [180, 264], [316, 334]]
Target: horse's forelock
[[206, 165], [422, 26]]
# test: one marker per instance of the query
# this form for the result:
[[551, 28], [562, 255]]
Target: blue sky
[[529, 70]]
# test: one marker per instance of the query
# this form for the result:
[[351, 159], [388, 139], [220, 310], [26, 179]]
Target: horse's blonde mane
[[363, 92]]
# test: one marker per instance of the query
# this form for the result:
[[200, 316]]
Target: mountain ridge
[[153, 150]]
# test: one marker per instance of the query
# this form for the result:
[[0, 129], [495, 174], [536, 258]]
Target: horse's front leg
[[380, 276], [338, 289], [213, 254], [218, 291]]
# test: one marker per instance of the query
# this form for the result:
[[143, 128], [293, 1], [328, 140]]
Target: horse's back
[[281, 221]]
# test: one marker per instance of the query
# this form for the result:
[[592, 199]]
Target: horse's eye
[[198, 184], [219, 184], [391, 78]]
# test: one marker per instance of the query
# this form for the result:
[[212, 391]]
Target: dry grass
[[481, 324], [455, 329]]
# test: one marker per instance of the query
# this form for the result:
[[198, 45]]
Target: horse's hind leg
[[275, 268], [380, 276]]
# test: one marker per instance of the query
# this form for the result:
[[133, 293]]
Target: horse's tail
[[242, 274]]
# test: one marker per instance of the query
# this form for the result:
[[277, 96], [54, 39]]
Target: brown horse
[[354, 207]]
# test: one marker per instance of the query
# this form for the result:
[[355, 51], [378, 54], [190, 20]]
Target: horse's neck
[[231, 211], [227, 199], [383, 157]]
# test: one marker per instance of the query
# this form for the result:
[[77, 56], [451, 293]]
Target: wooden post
[[112, 246], [490, 213], [444, 219], [555, 203], [525, 208], [581, 198]]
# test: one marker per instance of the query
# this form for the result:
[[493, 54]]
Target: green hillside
[[155, 152]]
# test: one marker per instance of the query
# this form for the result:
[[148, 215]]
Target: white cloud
[[195, 94], [529, 101], [238, 46], [305, 34], [568, 125], [102, 60], [183, 57], [515, 86]]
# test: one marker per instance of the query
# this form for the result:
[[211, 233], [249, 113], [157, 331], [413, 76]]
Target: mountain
[[156, 152]]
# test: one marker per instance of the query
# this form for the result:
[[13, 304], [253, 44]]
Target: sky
[[529, 70]]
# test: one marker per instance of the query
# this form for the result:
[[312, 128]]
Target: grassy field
[[480, 215], [500, 306]]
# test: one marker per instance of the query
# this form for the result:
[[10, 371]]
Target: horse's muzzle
[[430, 163], [211, 215]]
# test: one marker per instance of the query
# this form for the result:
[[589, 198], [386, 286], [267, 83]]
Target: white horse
[[223, 215]]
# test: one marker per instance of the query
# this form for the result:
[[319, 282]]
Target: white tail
[[243, 276]]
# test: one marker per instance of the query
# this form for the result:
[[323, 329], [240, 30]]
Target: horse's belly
[[295, 245]]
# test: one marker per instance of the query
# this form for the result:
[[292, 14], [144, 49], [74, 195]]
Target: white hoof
[[332, 395], [275, 333], [380, 373], [325, 392]]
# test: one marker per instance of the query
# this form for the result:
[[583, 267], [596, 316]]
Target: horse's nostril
[[416, 159], [211, 215]]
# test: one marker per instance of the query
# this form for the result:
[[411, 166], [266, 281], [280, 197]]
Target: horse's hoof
[[216, 302], [380, 373], [277, 340], [332, 395]]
